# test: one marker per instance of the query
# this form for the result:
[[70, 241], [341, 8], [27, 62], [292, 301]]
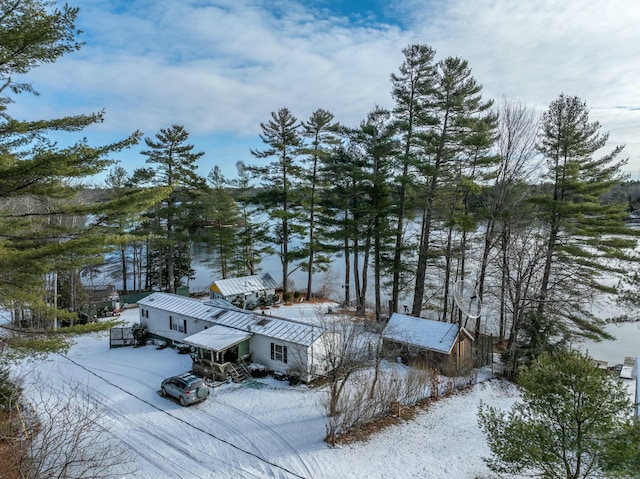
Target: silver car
[[186, 388]]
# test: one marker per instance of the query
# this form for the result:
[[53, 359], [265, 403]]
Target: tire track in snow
[[193, 426], [269, 433], [172, 457], [265, 432], [231, 426], [185, 464]]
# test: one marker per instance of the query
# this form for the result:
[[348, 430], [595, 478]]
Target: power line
[[184, 421]]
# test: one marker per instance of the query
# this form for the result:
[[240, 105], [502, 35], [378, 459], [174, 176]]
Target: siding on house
[[303, 341]]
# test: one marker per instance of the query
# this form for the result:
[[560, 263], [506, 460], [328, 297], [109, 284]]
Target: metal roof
[[193, 308], [428, 334], [217, 338], [287, 330], [221, 312], [244, 284]]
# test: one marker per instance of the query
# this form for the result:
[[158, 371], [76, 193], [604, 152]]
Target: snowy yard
[[274, 431]]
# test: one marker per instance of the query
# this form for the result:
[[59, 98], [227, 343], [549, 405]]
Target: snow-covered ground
[[275, 431]]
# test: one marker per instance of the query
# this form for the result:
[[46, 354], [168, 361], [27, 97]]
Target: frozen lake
[[627, 343]]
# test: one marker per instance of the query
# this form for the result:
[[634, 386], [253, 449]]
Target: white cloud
[[222, 66]]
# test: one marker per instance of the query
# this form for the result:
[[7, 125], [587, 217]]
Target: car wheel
[[163, 391], [182, 401]]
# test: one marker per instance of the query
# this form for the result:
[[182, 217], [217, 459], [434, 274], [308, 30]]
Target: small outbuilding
[[246, 292], [437, 343]]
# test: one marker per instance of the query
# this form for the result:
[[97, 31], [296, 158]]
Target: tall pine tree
[[452, 111], [40, 181], [175, 168], [280, 179], [412, 88], [584, 236], [322, 133]]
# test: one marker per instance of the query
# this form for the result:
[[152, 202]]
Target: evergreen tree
[[221, 223], [574, 421], [9, 392], [375, 141], [252, 233], [175, 169], [39, 181], [336, 216], [131, 238], [412, 89], [280, 180], [453, 111], [322, 133], [575, 220]]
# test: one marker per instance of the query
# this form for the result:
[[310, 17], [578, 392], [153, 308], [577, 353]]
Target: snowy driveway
[[273, 432]]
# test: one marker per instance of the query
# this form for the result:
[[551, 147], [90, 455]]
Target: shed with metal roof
[[246, 291], [434, 341]]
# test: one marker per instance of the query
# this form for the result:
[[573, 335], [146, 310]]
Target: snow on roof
[[193, 308], [428, 334], [221, 312], [217, 338], [244, 284]]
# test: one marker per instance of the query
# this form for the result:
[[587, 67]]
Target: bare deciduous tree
[[62, 436]]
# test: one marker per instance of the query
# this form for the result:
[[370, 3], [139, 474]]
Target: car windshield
[[196, 384]]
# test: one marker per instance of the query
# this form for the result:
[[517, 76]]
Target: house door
[[243, 349]]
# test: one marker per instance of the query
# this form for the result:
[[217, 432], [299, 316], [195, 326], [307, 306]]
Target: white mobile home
[[246, 291], [224, 336]]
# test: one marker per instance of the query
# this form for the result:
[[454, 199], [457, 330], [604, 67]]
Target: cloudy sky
[[220, 67]]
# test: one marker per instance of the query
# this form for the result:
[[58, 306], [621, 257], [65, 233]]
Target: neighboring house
[[245, 291], [225, 337], [436, 342]]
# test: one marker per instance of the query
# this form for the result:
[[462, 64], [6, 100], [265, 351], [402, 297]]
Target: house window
[[173, 324], [183, 326], [146, 312], [279, 352], [219, 314]]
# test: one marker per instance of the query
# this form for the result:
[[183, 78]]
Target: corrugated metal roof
[[178, 304], [432, 335], [287, 330], [221, 312], [245, 284]]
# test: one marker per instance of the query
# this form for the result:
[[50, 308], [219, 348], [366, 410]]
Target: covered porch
[[220, 352]]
